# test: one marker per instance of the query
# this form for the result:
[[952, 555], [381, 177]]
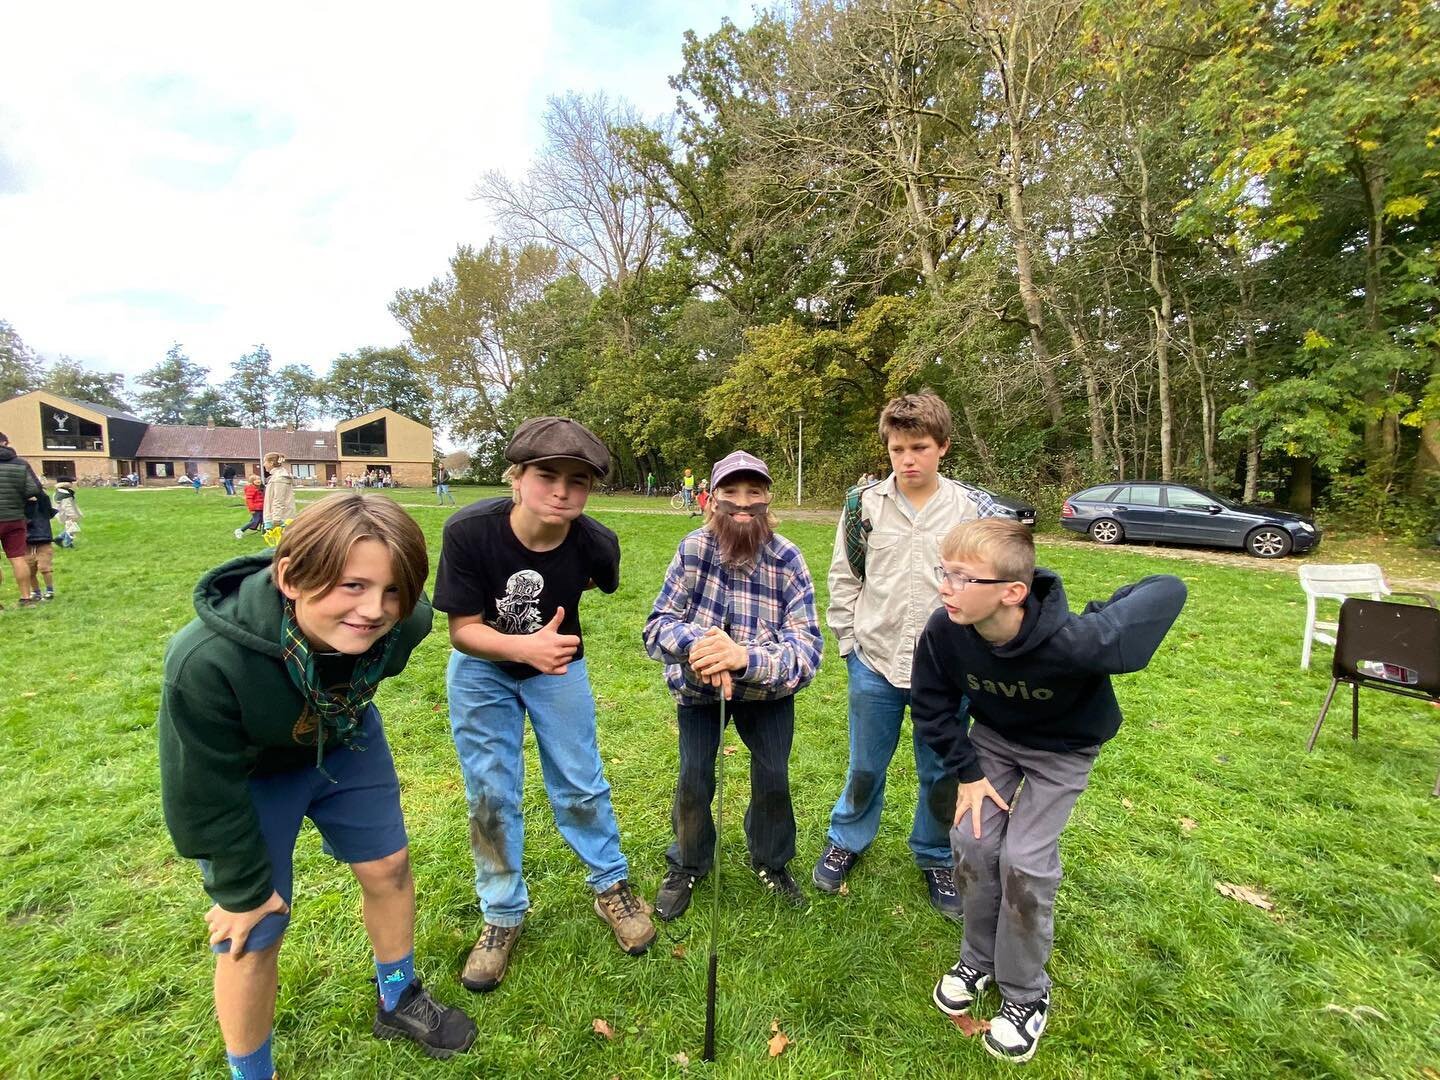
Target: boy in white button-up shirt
[[877, 618]]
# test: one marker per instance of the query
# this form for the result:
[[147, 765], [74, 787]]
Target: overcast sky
[[224, 175]]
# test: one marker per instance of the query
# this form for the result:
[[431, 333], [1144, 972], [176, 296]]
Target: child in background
[[67, 511], [39, 545], [255, 503]]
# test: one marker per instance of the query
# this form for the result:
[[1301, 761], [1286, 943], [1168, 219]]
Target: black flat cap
[[549, 438]]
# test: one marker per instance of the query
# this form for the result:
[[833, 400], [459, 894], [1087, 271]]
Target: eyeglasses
[[958, 581]]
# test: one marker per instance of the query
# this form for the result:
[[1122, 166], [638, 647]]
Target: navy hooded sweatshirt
[[1048, 687]]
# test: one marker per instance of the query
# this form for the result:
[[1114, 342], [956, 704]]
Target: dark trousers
[[256, 519], [767, 728]]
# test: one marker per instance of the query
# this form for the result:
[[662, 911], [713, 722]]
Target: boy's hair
[[273, 459], [924, 413], [319, 540], [1005, 545]]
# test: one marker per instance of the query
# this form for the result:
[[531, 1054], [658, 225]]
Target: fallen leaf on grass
[[1245, 895], [778, 1039], [678, 952], [1435, 878], [30, 693], [970, 1026], [730, 750], [682, 1059], [439, 707], [1429, 1074], [1127, 804], [600, 1027], [844, 888], [1187, 824], [897, 910]]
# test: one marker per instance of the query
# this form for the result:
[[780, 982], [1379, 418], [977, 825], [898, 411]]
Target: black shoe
[[441, 1031], [940, 880], [834, 865], [779, 882], [674, 895]]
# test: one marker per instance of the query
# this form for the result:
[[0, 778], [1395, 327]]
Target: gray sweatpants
[[1008, 878]]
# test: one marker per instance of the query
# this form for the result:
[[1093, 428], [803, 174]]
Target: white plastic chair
[[1335, 582]]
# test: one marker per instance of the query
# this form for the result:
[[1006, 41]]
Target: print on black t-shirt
[[518, 611], [484, 570]]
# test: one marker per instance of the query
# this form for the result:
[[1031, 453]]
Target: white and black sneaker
[[778, 880], [1015, 1032], [958, 988]]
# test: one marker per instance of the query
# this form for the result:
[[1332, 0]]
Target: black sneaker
[[958, 988], [940, 880], [779, 882], [1015, 1032], [441, 1031], [830, 872], [674, 895]]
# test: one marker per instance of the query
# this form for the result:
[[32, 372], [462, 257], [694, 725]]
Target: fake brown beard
[[739, 542]]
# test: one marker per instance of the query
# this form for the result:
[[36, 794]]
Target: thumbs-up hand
[[549, 651]]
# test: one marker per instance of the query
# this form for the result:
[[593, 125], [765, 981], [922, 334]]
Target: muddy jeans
[[767, 728], [487, 718], [1008, 878]]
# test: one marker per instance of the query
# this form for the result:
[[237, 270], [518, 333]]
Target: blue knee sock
[[253, 1066], [393, 979]]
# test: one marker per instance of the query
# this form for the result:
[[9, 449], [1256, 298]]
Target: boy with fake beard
[[735, 618]]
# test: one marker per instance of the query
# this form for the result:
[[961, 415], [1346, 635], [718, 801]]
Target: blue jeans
[[442, 492], [487, 718], [876, 709], [229, 483]]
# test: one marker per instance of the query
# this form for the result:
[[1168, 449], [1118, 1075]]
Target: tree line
[[1168, 239], [178, 390]]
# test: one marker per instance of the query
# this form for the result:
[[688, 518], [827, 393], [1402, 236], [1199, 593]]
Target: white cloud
[[273, 172]]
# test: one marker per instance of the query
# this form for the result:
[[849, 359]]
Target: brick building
[[61, 436]]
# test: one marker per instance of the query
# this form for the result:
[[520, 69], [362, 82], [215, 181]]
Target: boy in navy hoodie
[[1038, 682]]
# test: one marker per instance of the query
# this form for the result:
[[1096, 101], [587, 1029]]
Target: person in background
[[67, 511]]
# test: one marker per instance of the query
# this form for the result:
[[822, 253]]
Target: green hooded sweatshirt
[[229, 710]]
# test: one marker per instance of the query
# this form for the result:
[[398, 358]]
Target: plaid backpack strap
[[857, 529]]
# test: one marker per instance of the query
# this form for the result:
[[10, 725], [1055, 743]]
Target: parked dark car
[[1021, 511], [1150, 510]]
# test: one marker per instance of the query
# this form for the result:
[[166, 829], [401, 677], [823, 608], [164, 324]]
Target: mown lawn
[[1157, 974]]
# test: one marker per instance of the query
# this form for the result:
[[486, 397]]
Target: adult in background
[[279, 491], [227, 477], [18, 485]]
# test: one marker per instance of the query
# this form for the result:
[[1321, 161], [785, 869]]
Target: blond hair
[[1004, 545], [317, 544], [274, 459], [924, 413]]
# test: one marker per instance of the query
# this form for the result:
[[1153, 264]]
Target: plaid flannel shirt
[[769, 609]]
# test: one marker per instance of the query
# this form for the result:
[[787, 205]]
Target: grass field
[[1157, 974]]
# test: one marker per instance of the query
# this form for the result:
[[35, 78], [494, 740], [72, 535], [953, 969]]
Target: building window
[[54, 470], [158, 470], [302, 472], [66, 431], [367, 440]]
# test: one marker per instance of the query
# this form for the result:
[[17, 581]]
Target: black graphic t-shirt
[[485, 570]]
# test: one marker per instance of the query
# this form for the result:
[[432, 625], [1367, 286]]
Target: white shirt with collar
[[881, 617]]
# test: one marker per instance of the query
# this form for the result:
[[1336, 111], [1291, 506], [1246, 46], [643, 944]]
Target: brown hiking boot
[[628, 915], [486, 964]]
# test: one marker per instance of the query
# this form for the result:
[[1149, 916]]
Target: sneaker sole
[[385, 1031], [824, 886], [1017, 1059], [949, 1010], [632, 950], [478, 987]]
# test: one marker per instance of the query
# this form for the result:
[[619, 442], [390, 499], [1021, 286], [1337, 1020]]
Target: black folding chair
[[1384, 646]]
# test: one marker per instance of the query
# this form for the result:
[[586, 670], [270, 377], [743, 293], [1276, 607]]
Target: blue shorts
[[358, 815]]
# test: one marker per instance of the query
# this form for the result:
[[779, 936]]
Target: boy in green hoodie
[[264, 715]]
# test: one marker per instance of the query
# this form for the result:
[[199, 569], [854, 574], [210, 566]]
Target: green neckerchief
[[337, 714]]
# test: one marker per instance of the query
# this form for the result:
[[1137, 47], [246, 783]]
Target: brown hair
[[1001, 543], [512, 475], [318, 542], [925, 413]]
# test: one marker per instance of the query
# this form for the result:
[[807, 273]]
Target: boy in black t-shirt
[[511, 574]]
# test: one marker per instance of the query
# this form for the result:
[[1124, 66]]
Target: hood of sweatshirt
[[1046, 612], [7, 453], [238, 601]]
